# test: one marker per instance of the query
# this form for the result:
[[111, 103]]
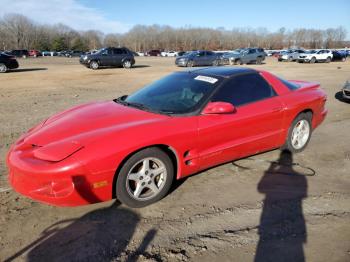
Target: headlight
[[57, 151], [85, 57]]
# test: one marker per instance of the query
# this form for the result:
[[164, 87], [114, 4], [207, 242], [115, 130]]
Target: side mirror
[[214, 108]]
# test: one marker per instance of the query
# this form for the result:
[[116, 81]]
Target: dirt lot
[[240, 211]]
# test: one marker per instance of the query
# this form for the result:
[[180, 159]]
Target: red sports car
[[133, 147]]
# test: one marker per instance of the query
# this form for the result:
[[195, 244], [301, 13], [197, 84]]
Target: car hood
[[83, 124]]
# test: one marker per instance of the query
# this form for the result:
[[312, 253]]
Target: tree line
[[19, 32]]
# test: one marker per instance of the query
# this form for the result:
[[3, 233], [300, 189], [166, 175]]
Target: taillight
[[13, 57]]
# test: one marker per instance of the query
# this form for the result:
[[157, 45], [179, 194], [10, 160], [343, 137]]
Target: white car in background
[[313, 56], [169, 53], [290, 55], [140, 53]]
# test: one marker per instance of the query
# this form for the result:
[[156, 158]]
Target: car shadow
[[140, 66], [27, 69], [282, 230], [100, 235], [339, 96]]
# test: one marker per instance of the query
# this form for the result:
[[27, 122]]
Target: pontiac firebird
[[133, 147]]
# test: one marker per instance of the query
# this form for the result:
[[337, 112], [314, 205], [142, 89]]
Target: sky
[[119, 16]]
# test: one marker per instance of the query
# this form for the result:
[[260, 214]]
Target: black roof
[[223, 71]]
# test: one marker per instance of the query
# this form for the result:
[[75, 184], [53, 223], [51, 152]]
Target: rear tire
[[215, 63], [328, 60], [290, 59], [145, 178], [94, 65], [238, 62], [258, 60], [3, 68], [299, 133]]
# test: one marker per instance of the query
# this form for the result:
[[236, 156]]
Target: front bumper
[[181, 62], [84, 62], [303, 59], [64, 183]]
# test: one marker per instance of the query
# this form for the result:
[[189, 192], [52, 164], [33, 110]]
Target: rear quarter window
[[290, 85]]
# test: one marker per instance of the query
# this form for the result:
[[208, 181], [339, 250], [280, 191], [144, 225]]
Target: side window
[[244, 89], [117, 51], [209, 53], [252, 51]]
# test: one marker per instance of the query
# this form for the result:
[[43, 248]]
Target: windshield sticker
[[208, 79]]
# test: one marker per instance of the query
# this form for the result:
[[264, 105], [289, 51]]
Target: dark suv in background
[[19, 53], [7, 62], [110, 56]]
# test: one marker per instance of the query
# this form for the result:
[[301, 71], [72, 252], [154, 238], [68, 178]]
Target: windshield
[[178, 93], [101, 50]]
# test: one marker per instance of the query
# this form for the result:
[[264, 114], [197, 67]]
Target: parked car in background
[[181, 53], [198, 58], [226, 58], [7, 62], [277, 53], [110, 56], [170, 53], [62, 53], [132, 148], [290, 55], [45, 53], [154, 52], [339, 56], [140, 53], [313, 56], [19, 53], [49, 53], [246, 56], [34, 53], [75, 53]]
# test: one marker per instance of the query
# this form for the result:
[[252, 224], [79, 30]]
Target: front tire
[[190, 63], [94, 65], [328, 60], [145, 178], [313, 60], [127, 64], [3, 68], [258, 60], [299, 133], [215, 63]]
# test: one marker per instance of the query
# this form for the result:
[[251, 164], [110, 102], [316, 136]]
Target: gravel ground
[[240, 211]]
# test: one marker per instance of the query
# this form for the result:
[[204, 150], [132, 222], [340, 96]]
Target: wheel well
[[305, 111], [165, 148]]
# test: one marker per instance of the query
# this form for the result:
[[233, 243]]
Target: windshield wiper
[[142, 107], [132, 104]]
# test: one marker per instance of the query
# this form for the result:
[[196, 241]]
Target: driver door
[[256, 126]]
